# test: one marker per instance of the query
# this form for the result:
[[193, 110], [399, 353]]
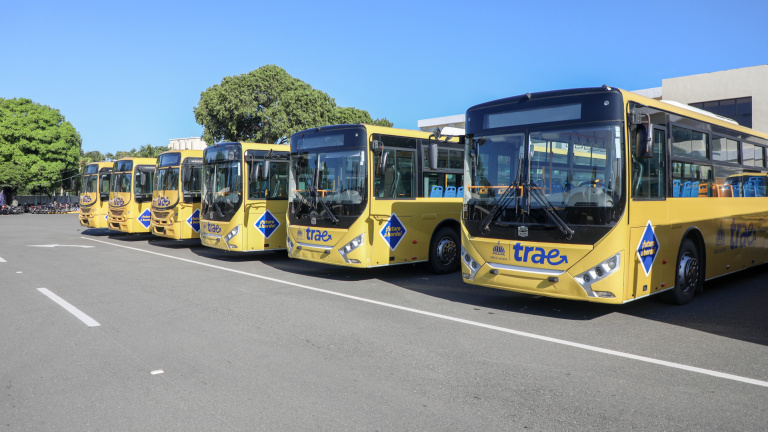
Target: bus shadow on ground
[[96, 232], [733, 306]]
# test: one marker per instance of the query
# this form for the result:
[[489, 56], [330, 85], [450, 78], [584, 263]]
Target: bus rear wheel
[[689, 274], [444, 251]]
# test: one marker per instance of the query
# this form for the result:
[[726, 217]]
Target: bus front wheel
[[689, 273], [444, 251]]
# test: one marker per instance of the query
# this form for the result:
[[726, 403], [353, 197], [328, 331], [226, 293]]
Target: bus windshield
[[328, 176], [167, 179], [89, 183], [222, 189], [536, 177]]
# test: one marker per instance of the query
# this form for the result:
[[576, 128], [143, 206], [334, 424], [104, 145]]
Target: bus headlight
[[597, 273], [349, 247], [470, 262], [289, 244], [235, 231]]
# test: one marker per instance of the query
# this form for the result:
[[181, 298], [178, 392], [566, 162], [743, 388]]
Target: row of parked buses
[[581, 194]]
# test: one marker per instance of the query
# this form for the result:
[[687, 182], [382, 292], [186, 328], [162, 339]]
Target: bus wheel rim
[[688, 272], [447, 250]]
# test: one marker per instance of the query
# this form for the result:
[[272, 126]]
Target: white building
[[193, 143]]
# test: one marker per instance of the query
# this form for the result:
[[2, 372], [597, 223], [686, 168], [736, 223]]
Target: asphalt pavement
[[103, 331]]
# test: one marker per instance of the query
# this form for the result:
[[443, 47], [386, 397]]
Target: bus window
[[397, 181], [275, 187], [648, 179], [686, 142], [691, 180]]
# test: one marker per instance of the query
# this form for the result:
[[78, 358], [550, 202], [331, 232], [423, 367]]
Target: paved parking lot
[[105, 331]]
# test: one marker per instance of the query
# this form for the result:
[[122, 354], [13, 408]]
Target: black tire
[[689, 274], [444, 251]]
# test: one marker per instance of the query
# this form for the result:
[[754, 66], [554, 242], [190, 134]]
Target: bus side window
[[648, 175]]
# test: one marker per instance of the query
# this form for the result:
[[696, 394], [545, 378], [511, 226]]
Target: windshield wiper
[[327, 210], [501, 204], [550, 209]]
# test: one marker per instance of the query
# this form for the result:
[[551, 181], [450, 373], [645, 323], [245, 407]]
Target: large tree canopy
[[268, 105], [38, 148]]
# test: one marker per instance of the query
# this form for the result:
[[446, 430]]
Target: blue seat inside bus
[[436, 192], [450, 192], [686, 189], [676, 188]]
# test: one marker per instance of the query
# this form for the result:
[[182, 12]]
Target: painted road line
[[58, 245], [90, 322], [468, 322], [2, 260]]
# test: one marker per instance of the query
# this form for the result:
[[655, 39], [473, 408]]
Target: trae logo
[[163, 202], [538, 255], [213, 228], [742, 235], [85, 199], [317, 235], [118, 202]]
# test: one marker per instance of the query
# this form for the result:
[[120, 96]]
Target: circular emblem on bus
[[313, 220]]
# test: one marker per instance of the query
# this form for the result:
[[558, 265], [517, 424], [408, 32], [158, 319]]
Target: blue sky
[[127, 74]]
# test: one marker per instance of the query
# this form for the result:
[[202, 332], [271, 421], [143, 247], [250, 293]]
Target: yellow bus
[[244, 196], [176, 194], [603, 195], [367, 196], [94, 194], [130, 196]]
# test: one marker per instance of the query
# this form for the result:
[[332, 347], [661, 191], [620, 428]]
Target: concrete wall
[[729, 84]]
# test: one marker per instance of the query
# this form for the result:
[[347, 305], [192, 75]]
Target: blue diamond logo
[[393, 231], [648, 248], [267, 224], [194, 220], [145, 218]]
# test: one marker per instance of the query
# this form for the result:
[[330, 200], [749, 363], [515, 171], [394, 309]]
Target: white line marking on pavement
[[471, 323], [90, 322], [2, 260], [58, 245]]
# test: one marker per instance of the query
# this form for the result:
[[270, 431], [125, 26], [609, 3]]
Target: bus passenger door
[[652, 250], [393, 210]]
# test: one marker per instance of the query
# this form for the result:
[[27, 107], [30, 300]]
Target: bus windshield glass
[[328, 176], [89, 183], [537, 176], [222, 182], [167, 179]]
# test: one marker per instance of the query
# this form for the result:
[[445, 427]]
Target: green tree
[[150, 151], [268, 105], [38, 147]]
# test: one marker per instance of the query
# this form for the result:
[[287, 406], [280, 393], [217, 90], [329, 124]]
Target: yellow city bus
[[603, 195], [244, 196], [94, 194], [176, 194], [130, 196], [367, 196]]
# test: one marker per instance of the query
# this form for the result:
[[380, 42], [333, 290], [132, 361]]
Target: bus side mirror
[[265, 171], [643, 142], [255, 172], [432, 152], [381, 168], [186, 175], [143, 178]]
